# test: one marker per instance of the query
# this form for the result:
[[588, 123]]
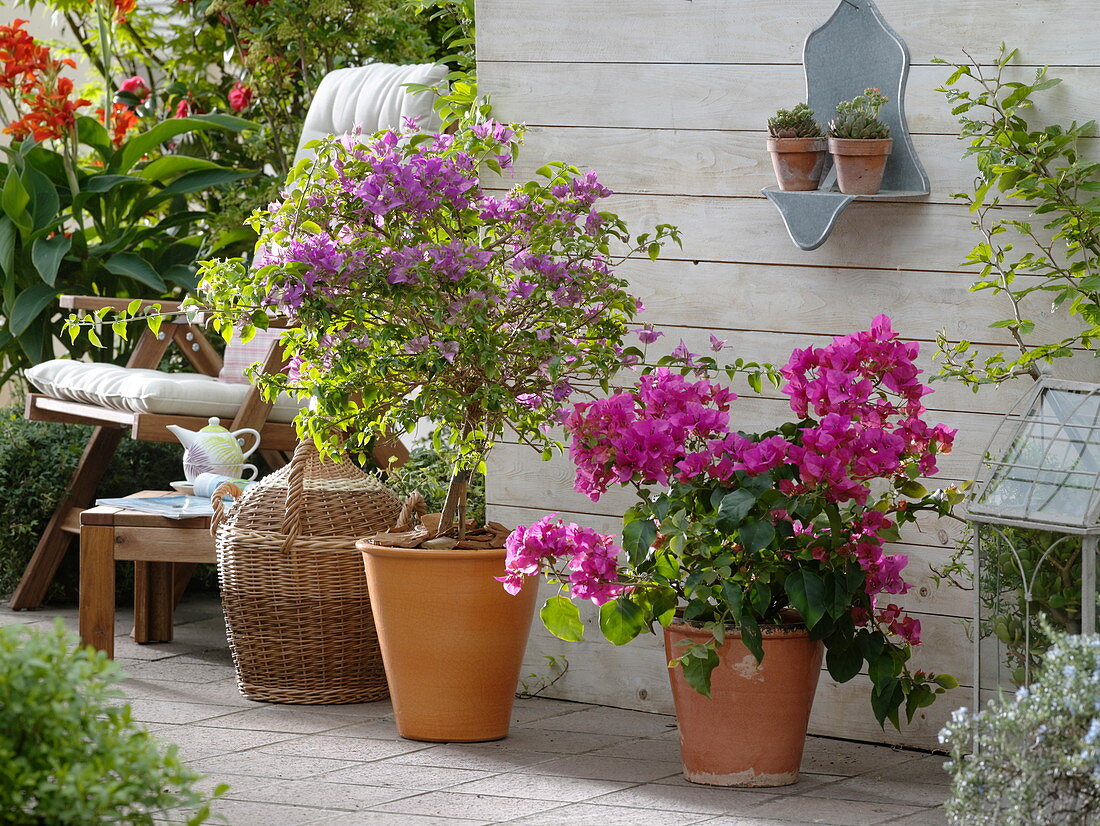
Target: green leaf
[[47, 253], [843, 663], [755, 535], [697, 670], [621, 620], [28, 306], [807, 594], [90, 132], [733, 509], [946, 681], [14, 200], [169, 166], [146, 142], [45, 204], [105, 183], [638, 538], [562, 618], [7, 245], [885, 700], [203, 179], [914, 490], [135, 267]]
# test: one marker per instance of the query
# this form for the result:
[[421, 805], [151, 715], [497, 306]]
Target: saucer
[[186, 488]]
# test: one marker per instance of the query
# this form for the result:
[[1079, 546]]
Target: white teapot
[[213, 449]]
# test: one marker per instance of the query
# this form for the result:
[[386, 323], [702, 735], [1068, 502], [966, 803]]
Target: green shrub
[[70, 751], [37, 460], [1033, 758]]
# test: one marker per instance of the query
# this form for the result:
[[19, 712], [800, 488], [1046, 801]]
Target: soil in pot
[[798, 162], [752, 729], [860, 163], [452, 639]]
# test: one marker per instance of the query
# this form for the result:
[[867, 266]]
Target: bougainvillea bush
[[741, 528], [1035, 757], [413, 292]]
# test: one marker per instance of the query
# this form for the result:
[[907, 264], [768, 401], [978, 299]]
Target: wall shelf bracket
[[853, 50]]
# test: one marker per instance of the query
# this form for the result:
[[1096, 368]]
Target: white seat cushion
[[373, 97], [147, 391]]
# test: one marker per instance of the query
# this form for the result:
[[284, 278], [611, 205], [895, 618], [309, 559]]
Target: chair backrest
[[373, 97]]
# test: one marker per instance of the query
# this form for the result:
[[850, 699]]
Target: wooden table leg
[[97, 587], [154, 601]]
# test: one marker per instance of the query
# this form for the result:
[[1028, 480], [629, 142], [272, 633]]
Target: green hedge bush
[[37, 460], [70, 752]]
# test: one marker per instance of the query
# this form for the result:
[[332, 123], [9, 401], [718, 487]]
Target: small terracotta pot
[[452, 639], [798, 162], [860, 163], [752, 729]]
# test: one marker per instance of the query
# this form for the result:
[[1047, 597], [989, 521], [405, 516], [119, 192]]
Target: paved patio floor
[[564, 763]]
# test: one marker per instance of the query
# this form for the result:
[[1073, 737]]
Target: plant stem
[[455, 505]]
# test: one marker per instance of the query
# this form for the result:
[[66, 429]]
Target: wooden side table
[[156, 545]]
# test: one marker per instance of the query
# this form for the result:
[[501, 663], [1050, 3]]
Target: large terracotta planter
[[452, 639], [752, 729], [860, 163], [797, 162]]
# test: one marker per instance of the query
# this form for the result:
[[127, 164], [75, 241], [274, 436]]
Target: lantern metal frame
[[1041, 471]]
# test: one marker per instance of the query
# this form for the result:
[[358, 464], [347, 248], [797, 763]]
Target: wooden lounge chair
[[142, 400]]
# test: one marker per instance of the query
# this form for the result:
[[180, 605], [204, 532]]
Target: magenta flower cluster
[[859, 401], [590, 558]]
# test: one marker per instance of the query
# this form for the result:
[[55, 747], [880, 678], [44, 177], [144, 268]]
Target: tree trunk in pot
[[752, 729]]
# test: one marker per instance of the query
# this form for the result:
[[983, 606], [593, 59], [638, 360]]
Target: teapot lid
[[214, 426]]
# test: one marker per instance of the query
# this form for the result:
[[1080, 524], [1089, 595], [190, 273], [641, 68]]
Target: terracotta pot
[[752, 729], [452, 639], [797, 162], [860, 163]]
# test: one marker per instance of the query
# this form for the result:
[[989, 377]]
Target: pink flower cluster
[[591, 558], [641, 436]]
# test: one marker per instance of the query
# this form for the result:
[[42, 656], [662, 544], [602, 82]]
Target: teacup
[[207, 483]]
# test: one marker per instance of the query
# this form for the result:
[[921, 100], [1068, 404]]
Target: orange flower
[[46, 98], [123, 8], [123, 120]]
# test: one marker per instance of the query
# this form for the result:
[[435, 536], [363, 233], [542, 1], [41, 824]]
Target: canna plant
[[87, 207]]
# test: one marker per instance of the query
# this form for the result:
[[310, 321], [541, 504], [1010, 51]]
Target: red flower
[[123, 120], [123, 8], [187, 107], [240, 97], [135, 86]]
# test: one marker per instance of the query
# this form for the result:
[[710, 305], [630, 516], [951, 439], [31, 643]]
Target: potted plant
[[413, 293], [797, 147], [860, 143], [757, 552]]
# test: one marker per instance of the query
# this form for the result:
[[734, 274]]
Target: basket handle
[[217, 502], [413, 504], [296, 490]]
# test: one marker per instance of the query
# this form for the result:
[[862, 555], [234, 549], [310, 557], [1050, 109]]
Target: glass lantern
[[1034, 513]]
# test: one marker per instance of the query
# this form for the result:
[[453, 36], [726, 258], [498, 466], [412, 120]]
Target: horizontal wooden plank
[[142, 544], [721, 97], [710, 161], [868, 235], [715, 295], [634, 676], [737, 31], [924, 597]]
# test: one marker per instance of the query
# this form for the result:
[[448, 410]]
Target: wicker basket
[[293, 589]]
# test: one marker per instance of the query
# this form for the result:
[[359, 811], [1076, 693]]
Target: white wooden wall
[[667, 100]]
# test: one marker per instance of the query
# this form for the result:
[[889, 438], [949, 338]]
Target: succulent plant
[[858, 118], [796, 123]]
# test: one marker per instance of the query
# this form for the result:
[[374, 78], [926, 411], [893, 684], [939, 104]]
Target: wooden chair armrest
[[92, 302]]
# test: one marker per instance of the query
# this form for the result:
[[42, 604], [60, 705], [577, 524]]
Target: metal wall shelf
[[853, 50]]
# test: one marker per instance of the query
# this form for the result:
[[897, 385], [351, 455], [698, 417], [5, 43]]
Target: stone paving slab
[[563, 763]]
